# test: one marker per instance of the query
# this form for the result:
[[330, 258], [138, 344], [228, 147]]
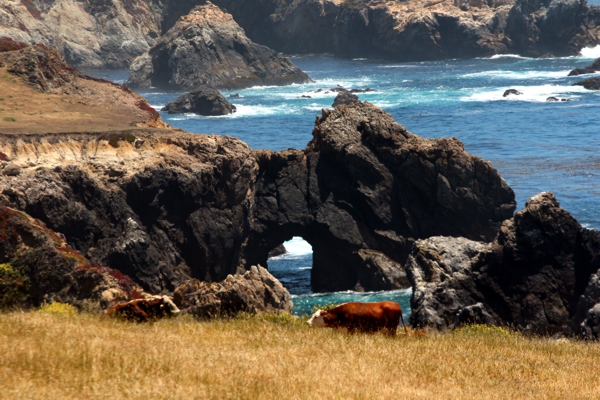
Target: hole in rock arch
[[294, 268]]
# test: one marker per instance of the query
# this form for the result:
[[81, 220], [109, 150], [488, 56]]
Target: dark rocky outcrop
[[590, 69], [170, 206], [278, 251], [590, 83], [344, 97], [207, 47], [551, 27], [254, 292], [509, 92], [203, 101], [531, 277], [366, 184]]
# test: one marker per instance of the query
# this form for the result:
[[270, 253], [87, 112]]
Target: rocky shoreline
[[383, 208]]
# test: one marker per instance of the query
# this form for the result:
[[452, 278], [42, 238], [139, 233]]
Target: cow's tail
[[403, 324]]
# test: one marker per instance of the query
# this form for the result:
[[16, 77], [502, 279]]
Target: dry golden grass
[[52, 356]]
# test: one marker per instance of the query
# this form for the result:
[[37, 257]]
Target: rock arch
[[363, 190]]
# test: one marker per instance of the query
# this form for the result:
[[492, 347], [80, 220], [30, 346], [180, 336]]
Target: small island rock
[[203, 101], [590, 83], [207, 47]]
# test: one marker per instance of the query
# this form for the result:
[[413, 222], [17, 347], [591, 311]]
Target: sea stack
[[207, 47]]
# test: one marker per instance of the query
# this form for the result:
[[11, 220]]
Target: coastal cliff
[[110, 34]]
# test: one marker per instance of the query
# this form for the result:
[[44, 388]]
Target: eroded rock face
[[419, 30], [207, 47], [203, 101], [531, 277], [97, 34], [366, 184], [166, 206], [254, 292]]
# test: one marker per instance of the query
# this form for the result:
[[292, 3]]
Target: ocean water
[[536, 145]]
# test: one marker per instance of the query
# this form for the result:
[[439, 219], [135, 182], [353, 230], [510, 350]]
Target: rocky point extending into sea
[[107, 213]]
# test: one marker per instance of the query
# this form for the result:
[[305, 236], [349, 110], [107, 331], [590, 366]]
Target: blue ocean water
[[536, 145]]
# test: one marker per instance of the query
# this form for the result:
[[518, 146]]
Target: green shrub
[[10, 119], [481, 329]]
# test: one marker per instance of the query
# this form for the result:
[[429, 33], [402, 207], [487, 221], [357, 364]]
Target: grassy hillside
[[84, 356]]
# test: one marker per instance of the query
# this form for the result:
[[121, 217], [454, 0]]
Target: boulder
[[344, 97], [278, 251], [203, 101], [254, 292], [509, 92], [531, 277], [590, 69], [207, 47], [590, 83]]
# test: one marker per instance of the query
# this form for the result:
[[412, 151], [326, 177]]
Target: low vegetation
[[60, 355]]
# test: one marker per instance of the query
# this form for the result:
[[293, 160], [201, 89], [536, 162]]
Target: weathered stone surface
[[364, 182], [590, 83], [418, 30], [203, 101], [344, 97], [590, 69], [531, 277], [170, 206], [98, 34], [207, 47], [254, 292]]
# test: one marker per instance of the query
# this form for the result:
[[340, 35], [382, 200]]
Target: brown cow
[[152, 307], [363, 317]]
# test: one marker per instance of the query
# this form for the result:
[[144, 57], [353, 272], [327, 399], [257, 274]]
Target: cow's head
[[318, 319]]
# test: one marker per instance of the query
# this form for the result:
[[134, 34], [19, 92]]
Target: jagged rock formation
[[254, 292], [366, 184], [531, 277], [110, 34], [167, 206], [202, 101], [590, 69], [98, 34], [207, 47], [37, 265], [344, 97], [590, 83], [419, 30]]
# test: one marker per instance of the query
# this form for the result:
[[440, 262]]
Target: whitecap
[[499, 56], [530, 93], [516, 75]]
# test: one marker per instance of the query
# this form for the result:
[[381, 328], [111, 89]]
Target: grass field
[[46, 356]]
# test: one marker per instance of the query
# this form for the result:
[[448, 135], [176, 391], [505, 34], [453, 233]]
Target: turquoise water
[[536, 145]]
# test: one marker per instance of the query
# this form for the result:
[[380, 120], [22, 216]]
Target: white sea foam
[[297, 246], [516, 75], [590, 52], [497, 56], [530, 93]]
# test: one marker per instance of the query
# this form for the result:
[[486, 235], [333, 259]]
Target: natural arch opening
[[293, 268]]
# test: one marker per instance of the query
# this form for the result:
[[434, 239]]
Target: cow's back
[[366, 316]]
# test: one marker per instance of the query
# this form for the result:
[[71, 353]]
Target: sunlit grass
[[84, 356]]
